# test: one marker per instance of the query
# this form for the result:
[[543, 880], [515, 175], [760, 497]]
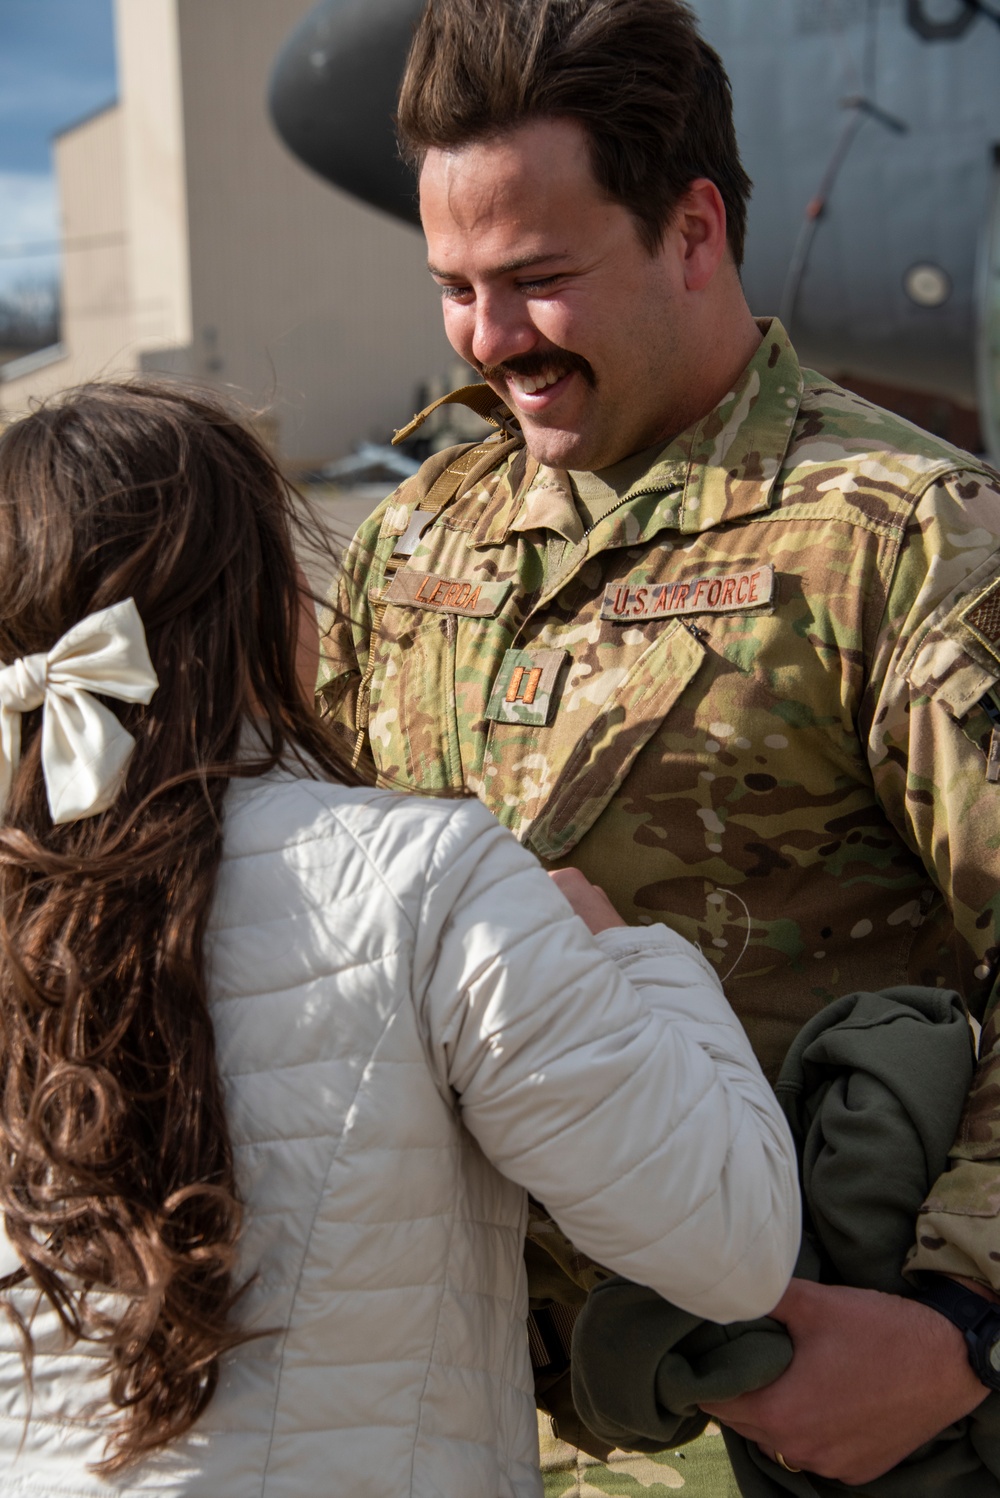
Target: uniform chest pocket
[[600, 759], [411, 720]]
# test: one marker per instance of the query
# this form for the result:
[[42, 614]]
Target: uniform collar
[[732, 457], [716, 471]]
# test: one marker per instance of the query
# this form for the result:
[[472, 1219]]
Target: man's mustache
[[530, 366]]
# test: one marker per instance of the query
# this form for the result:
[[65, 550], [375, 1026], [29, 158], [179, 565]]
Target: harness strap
[[487, 404], [481, 399], [448, 483]]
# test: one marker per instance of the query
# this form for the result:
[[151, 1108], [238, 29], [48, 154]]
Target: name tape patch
[[447, 595], [626, 603]]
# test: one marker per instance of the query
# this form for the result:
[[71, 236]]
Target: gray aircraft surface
[[871, 129]]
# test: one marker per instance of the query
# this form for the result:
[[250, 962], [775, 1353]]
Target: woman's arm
[[622, 1093]]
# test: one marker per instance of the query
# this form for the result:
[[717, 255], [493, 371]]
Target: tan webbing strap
[[448, 483], [481, 399], [446, 487], [441, 492], [362, 707]]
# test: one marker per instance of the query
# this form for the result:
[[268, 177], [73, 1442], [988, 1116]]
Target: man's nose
[[502, 330]]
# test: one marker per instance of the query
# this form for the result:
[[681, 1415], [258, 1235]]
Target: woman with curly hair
[[281, 1054]]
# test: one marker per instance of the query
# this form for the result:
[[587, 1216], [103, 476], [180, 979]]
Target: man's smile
[[536, 381]]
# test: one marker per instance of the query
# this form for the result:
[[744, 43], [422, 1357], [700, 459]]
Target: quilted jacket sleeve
[[622, 1093]]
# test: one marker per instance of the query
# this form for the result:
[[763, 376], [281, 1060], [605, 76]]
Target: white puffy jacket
[[413, 1027]]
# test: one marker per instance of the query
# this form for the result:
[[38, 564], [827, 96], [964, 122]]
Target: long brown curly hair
[[116, 1170]]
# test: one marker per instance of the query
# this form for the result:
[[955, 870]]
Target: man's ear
[[700, 222]]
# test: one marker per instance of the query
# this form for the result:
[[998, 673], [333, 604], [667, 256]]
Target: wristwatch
[[977, 1318]]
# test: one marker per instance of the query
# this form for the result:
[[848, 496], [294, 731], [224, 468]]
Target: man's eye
[[452, 293], [539, 284]]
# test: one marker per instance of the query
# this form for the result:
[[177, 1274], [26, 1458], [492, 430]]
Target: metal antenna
[[860, 109]]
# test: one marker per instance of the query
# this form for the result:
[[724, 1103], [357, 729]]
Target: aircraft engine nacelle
[[333, 97]]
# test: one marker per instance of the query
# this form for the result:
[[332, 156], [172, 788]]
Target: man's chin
[[555, 446]]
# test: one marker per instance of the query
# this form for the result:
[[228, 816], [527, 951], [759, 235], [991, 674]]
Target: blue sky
[[57, 64]]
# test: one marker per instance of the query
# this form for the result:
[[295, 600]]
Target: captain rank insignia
[[525, 687]]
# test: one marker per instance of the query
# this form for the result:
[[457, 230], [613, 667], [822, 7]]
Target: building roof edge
[[85, 119]]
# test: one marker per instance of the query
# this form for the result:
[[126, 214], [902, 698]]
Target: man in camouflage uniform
[[695, 620]]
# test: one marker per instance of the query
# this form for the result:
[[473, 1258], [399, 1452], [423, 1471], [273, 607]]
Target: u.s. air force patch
[[726, 593], [473, 597]]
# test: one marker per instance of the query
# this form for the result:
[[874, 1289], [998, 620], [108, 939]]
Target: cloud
[[29, 214]]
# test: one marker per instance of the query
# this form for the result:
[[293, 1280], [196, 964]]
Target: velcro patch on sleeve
[[470, 596], [982, 618], [726, 593]]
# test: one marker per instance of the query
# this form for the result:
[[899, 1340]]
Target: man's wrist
[[976, 1286], [976, 1315]]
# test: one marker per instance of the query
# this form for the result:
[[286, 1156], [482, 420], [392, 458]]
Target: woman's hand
[[588, 900]]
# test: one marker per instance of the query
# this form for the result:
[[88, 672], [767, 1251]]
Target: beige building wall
[[312, 304], [149, 85], [238, 267], [96, 293]]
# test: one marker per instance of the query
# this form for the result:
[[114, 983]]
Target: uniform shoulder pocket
[[955, 657]]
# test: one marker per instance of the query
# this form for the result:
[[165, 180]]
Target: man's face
[[550, 294]]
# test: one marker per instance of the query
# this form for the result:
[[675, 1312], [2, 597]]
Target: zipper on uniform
[[632, 494]]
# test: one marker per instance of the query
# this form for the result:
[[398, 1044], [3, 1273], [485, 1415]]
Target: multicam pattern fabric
[[701, 1470], [797, 783]]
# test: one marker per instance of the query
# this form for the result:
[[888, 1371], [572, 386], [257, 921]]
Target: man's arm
[[935, 696], [875, 1376]]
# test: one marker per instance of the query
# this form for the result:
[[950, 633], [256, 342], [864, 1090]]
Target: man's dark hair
[[652, 96]]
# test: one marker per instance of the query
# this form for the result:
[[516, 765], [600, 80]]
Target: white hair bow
[[84, 747]]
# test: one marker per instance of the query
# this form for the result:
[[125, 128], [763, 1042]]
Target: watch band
[[976, 1317]]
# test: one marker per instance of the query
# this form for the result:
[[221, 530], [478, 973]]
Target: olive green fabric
[[642, 1366], [873, 1089], [875, 1078]]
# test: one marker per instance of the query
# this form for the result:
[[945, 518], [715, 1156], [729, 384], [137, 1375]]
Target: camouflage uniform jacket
[[755, 701]]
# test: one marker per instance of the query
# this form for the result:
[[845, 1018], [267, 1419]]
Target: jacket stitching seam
[[320, 1196], [366, 855], [432, 1358], [457, 1160]]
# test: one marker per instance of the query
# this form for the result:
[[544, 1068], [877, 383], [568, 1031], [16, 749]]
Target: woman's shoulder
[[277, 812]]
